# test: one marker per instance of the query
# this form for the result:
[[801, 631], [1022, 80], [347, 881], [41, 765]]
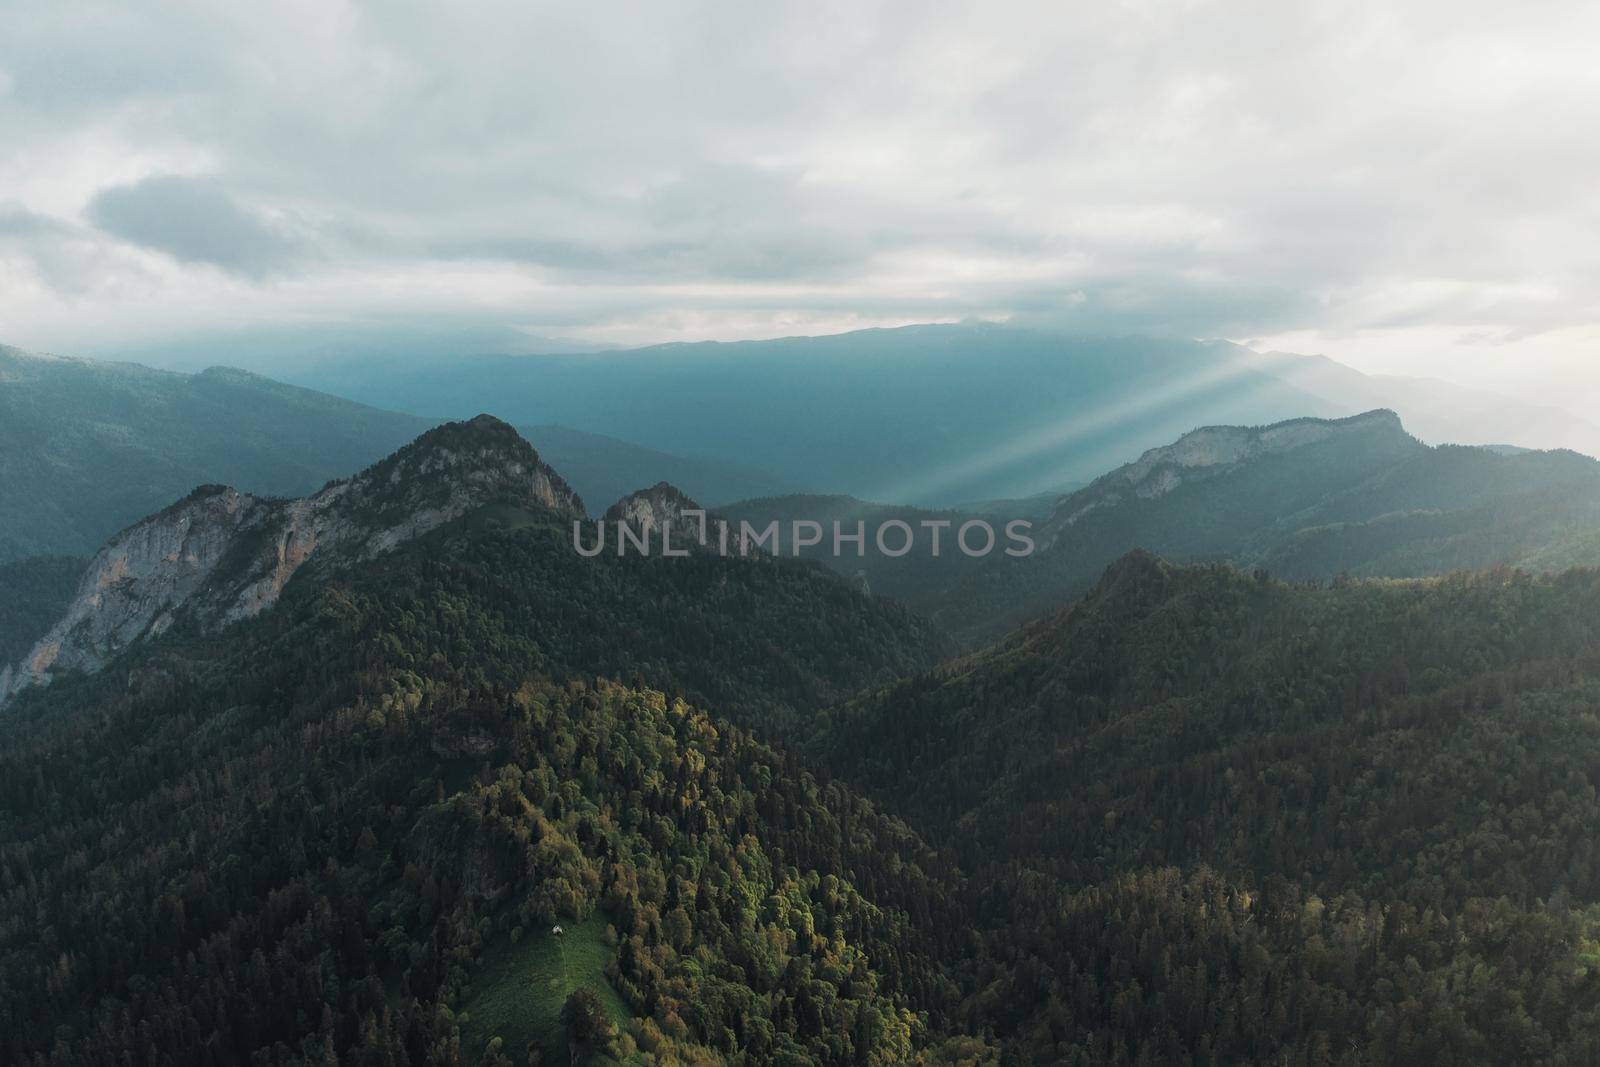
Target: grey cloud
[[68, 258], [18, 221], [1109, 168], [196, 221], [1165, 305]]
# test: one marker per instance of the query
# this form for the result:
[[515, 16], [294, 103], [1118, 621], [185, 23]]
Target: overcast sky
[[1405, 186]]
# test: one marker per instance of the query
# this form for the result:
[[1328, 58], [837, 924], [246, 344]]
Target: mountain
[[1194, 762], [329, 825], [935, 415], [349, 360], [1198, 815], [922, 415], [1218, 487], [666, 519], [605, 468], [220, 555], [1037, 506], [87, 448], [477, 797], [1305, 498], [357, 840], [351, 350]]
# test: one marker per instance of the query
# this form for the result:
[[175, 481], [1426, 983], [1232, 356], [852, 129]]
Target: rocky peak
[[220, 555], [483, 453], [662, 506]]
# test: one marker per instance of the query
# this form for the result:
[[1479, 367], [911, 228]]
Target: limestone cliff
[[662, 507], [1216, 450], [221, 555]]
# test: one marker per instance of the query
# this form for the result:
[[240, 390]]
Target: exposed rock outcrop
[[1214, 450], [220, 555], [663, 507]]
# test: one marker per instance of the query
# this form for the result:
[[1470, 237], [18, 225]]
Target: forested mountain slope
[[34, 593], [910, 577], [296, 843], [1155, 844], [1409, 765], [1199, 816], [293, 835], [764, 633]]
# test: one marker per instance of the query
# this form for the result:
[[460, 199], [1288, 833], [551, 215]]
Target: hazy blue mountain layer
[[925, 415], [87, 447], [1304, 498]]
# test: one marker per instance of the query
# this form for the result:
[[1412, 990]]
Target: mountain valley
[[1164, 820]]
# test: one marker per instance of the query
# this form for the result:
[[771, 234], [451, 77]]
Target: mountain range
[[87, 448], [1301, 499], [461, 794], [219, 557], [931, 415], [1279, 748]]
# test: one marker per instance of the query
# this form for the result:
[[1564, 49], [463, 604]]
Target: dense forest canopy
[[33, 595], [1200, 816]]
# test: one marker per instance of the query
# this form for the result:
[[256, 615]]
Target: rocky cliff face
[[662, 507], [1216, 450], [221, 555]]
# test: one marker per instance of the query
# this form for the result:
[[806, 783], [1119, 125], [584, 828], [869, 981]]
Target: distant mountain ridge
[[1304, 498], [220, 555], [87, 447], [934, 415], [918, 415]]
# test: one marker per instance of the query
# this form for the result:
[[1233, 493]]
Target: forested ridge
[[1197, 817], [289, 842], [1365, 808]]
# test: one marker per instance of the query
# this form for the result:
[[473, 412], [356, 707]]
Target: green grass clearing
[[517, 990]]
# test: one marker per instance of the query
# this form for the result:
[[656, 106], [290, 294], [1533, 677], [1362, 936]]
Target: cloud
[[655, 172], [1166, 304], [195, 221]]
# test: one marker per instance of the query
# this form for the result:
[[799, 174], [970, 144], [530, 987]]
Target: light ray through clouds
[[1089, 422]]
